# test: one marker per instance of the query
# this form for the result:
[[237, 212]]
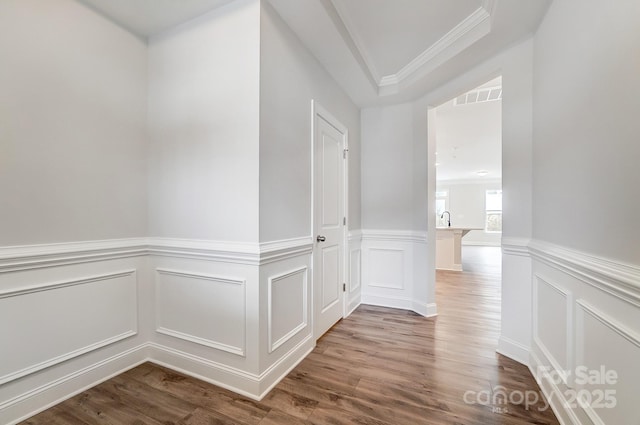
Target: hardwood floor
[[379, 366]]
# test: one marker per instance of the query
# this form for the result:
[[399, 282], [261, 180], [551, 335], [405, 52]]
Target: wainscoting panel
[[202, 308], [516, 302], [71, 315], [586, 342], [553, 323], [355, 267], [387, 268], [607, 346], [388, 259], [288, 306], [354, 272], [285, 317], [46, 323]]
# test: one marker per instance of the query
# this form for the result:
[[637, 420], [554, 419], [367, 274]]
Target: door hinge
[[344, 287], [344, 221], [344, 153]]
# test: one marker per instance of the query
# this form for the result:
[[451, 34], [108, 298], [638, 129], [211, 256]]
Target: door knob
[[321, 238]]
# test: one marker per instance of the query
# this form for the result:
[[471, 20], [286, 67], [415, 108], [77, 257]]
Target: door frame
[[317, 110]]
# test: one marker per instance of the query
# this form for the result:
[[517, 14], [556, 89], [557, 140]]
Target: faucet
[[448, 217]]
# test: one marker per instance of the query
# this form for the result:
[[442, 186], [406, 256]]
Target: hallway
[[379, 366]]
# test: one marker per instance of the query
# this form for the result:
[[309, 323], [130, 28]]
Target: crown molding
[[354, 40], [468, 31]]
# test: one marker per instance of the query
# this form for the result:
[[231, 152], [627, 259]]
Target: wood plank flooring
[[379, 366]]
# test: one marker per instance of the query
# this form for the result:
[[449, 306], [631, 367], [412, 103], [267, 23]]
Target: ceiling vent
[[486, 94]]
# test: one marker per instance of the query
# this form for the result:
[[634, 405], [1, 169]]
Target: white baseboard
[[514, 350], [353, 305], [281, 368], [451, 268], [424, 309], [391, 302], [41, 398], [480, 243], [555, 397], [251, 385]]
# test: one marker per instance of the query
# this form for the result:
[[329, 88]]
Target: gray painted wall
[[72, 125], [586, 150]]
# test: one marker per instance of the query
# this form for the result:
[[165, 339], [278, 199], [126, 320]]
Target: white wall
[[204, 126], [387, 167], [467, 204], [595, 91], [72, 168], [394, 208], [72, 125], [289, 79], [586, 254]]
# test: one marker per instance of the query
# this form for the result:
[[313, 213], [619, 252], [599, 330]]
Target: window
[[441, 206], [493, 207]]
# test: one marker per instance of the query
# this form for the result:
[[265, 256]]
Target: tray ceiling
[[379, 51]]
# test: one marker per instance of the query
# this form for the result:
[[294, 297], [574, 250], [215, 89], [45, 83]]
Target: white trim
[[611, 323], [285, 249], [616, 278], [356, 40], [618, 328], [515, 246], [481, 243], [477, 180], [223, 251], [202, 276], [373, 280], [239, 381], [354, 286], [30, 257], [388, 301], [238, 351], [353, 305], [355, 236], [555, 397], [461, 32], [394, 235], [116, 364], [568, 332], [424, 309], [514, 350], [24, 290], [64, 357], [74, 353], [274, 345]]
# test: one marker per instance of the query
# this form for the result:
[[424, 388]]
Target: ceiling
[[150, 17], [469, 136], [379, 51]]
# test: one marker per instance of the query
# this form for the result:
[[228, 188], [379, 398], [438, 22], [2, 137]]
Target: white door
[[329, 222]]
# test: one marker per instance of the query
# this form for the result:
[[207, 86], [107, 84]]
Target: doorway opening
[[468, 195]]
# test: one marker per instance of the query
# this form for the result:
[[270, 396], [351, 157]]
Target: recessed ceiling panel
[[391, 33]]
